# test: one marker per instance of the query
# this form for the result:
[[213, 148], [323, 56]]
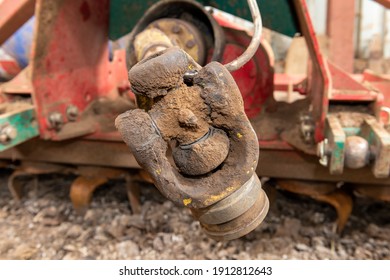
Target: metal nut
[[56, 120], [307, 128], [7, 134], [176, 29], [190, 44], [323, 152], [72, 113]]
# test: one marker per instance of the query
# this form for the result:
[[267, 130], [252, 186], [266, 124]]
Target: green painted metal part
[[336, 137], [350, 131], [277, 15], [371, 130], [23, 122], [379, 139]]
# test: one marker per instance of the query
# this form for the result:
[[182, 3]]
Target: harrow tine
[[82, 189], [377, 192], [324, 192], [343, 204], [133, 194], [15, 186]]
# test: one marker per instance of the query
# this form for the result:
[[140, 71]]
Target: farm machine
[[189, 87]]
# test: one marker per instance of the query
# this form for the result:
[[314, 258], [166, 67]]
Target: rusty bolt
[[189, 76], [307, 128], [55, 120], [72, 113], [7, 133], [190, 44], [323, 152], [176, 29]]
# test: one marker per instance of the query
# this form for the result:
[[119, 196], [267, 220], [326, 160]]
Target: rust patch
[[182, 115], [283, 123], [350, 116], [85, 11]]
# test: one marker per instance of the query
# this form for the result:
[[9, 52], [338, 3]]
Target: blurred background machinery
[[323, 132]]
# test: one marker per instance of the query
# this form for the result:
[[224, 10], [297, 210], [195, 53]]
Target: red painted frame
[[318, 78], [71, 65]]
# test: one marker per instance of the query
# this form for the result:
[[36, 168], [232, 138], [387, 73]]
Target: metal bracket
[[336, 141], [17, 125], [379, 139], [332, 149]]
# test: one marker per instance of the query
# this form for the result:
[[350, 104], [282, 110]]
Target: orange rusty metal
[[82, 189], [373, 191], [15, 186], [325, 192], [133, 192], [91, 177], [29, 168], [343, 204]]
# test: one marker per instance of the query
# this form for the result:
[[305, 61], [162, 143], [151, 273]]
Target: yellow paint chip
[[158, 171], [230, 189], [187, 201], [239, 135], [214, 198]]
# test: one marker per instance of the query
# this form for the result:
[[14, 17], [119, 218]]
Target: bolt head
[[322, 152], [55, 120], [176, 29], [72, 113], [324, 161], [190, 44], [7, 133]]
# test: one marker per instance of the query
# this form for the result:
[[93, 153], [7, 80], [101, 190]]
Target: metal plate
[[232, 206], [241, 225]]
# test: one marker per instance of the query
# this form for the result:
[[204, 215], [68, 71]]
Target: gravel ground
[[44, 226]]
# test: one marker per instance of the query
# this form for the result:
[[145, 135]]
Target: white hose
[[255, 42]]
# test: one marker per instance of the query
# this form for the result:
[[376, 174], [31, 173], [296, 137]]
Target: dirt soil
[[349, 116], [282, 122], [45, 226], [181, 115]]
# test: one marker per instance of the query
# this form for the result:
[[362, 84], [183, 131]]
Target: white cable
[[255, 42]]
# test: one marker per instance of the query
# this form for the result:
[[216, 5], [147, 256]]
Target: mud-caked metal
[[214, 147]]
